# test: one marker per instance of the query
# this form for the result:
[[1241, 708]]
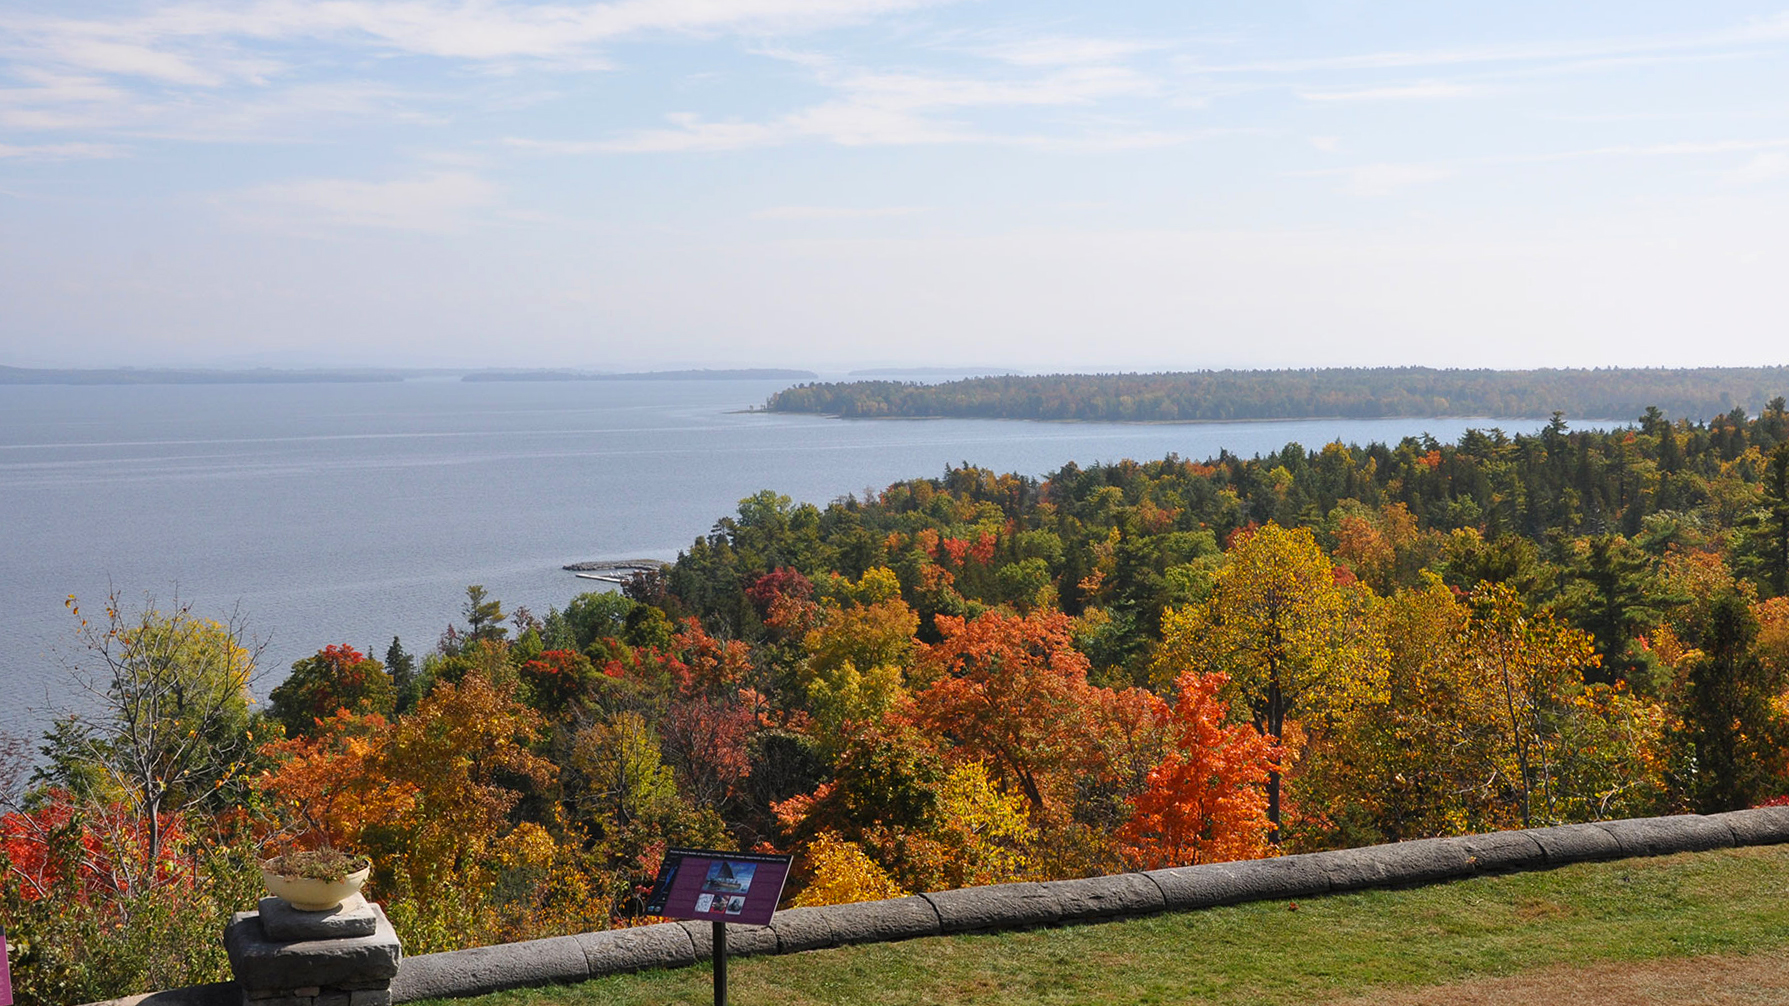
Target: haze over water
[[353, 513]]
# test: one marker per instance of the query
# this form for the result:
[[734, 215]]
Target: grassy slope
[[1674, 906]]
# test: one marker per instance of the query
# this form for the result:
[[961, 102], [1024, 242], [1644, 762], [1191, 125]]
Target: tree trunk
[[1276, 721]]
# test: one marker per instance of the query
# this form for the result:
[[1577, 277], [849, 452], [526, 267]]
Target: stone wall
[[1027, 905]]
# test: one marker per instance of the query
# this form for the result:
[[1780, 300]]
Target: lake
[[350, 513]]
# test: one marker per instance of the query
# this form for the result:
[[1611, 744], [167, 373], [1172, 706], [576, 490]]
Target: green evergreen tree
[[1734, 727], [404, 679], [484, 614], [1614, 599], [1763, 550]]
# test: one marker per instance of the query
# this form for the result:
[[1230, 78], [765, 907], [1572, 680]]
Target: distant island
[[1356, 393], [762, 374], [150, 375]]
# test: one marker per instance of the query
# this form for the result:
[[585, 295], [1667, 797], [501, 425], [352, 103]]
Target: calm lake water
[[353, 513]]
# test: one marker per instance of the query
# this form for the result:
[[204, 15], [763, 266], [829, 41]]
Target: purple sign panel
[[739, 887]]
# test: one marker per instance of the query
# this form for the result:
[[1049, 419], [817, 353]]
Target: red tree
[[1205, 801]]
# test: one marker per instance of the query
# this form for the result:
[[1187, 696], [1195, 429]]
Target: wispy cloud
[[191, 42], [443, 202], [1373, 181], [1760, 32], [1764, 167], [1064, 50], [883, 108], [170, 67], [62, 151], [1428, 90], [834, 212]]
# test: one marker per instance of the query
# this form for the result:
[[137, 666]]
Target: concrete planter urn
[[315, 882]]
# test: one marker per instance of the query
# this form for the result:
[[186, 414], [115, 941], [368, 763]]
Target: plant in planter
[[317, 880]]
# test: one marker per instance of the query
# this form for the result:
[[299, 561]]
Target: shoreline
[[1176, 422]]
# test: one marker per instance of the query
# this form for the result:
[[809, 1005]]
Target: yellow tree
[[460, 752], [857, 664], [1293, 639], [1526, 667], [843, 874], [986, 833], [163, 726]]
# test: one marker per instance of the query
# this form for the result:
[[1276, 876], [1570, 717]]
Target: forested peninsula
[[1355, 393]]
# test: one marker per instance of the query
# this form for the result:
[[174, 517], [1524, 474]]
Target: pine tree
[[1733, 724], [1764, 543]]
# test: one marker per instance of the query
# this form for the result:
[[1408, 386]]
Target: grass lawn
[[1730, 902]]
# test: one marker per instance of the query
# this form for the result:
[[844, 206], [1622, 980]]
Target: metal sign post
[[720, 963], [721, 887]]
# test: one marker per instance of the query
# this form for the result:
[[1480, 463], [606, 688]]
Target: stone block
[[1575, 843], [261, 963], [742, 941], [492, 969], [1121, 894], [802, 929], [1661, 836], [665, 945], [1503, 851], [285, 924], [306, 991], [996, 906], [1758, 826], [369, 997], [1421, 861], [882, 921], [1209, 884], [332, 998]]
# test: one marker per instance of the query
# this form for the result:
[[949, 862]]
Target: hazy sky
[[834, 183]]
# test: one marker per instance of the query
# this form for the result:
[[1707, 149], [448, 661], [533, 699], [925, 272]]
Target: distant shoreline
[[749, 374], [156, 375], [1244, 421], [117, 376], [1314, 393]]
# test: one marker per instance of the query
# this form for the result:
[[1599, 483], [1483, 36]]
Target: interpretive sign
[[703, 884], [722, 887]]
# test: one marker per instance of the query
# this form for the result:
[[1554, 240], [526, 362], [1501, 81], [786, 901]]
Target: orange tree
[[1011, 692], [332, 785], [1293, 639], [1204, 802]]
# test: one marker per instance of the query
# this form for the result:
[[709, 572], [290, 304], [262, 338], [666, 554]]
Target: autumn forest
[[956, 680]]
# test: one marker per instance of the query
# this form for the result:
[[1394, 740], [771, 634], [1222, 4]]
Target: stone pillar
[[282, 956]]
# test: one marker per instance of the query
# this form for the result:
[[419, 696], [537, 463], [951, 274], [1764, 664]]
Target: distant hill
[[133, 375], [1218, 395], [764, 374]]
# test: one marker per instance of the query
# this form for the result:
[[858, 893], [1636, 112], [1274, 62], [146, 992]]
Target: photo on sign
[[726, 877], [735, 904]]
